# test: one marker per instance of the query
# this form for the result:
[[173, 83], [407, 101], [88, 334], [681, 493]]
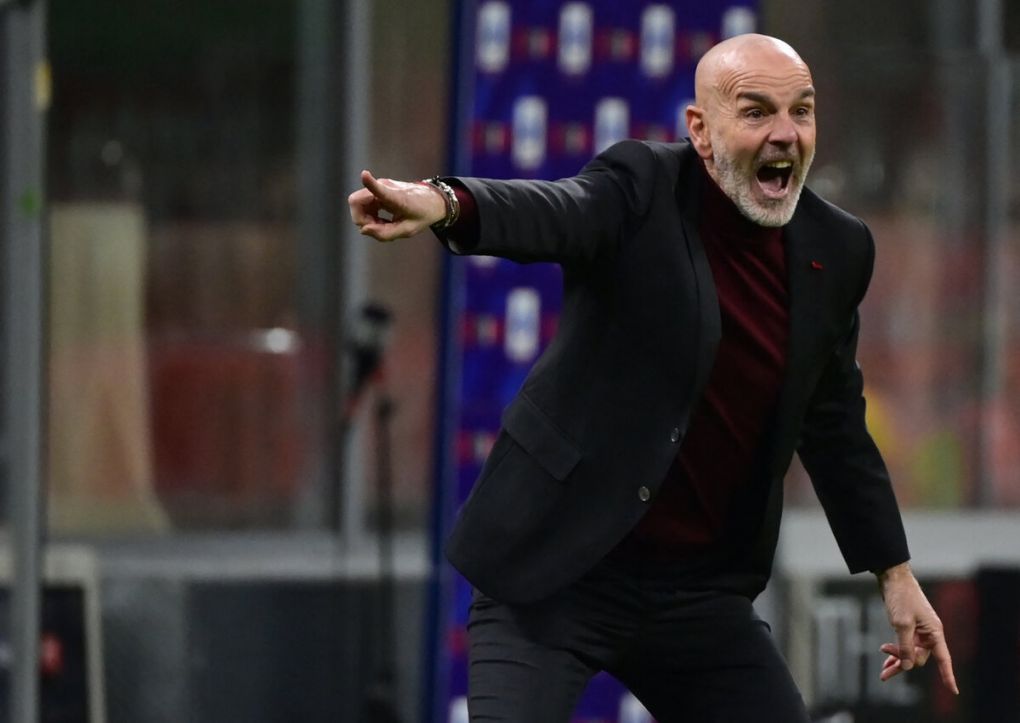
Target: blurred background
[[217, 451]]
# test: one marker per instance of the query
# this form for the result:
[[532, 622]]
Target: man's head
[[754, 124]]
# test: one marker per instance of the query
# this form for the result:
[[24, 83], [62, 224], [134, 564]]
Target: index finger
[[945, 663], [372, 184]]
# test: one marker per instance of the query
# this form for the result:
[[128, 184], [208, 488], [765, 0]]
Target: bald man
[[628, 513]]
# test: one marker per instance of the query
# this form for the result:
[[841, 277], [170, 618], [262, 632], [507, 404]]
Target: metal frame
[[25, 81], [333, 137], [319, 225], [353, 155], [998, 101]]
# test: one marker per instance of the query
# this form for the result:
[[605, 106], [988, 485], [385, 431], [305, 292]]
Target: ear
[[698, 130]]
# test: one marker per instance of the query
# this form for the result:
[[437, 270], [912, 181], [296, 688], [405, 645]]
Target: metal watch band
[[452, 204]]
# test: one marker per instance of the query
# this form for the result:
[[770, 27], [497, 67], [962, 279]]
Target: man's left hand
[[918, 628]]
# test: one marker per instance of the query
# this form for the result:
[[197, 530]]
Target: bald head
[[726, 63]]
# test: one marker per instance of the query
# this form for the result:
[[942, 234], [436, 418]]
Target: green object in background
[[937, 469], [30, 203]]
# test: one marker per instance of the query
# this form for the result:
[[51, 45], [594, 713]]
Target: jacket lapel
[[805, 269], [710, 323]]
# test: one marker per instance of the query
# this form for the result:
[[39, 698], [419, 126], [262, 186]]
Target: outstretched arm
[[572, 219], [918, 629], [387, 210]]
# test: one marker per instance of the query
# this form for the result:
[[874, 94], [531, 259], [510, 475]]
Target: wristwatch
[[452, 204]]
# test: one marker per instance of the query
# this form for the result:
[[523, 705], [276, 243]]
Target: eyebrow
[[766, 100]]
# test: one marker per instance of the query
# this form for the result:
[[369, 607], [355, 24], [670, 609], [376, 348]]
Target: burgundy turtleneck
[[727, 428]]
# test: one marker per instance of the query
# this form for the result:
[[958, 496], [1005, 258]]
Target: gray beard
[[772, 213]]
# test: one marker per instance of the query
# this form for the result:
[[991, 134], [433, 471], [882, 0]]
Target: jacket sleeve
[[570, 220], [845, 466]]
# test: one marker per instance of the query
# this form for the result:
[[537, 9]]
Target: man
[[629, 510]]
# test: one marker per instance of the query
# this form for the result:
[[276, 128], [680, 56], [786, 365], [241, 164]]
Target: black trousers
[[689, 657]]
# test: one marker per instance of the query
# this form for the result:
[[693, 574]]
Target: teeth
[[779, 164]]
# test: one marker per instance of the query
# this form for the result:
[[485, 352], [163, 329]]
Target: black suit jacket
[[604, 410]]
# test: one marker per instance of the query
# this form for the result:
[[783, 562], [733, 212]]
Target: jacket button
[[674, 436], [643, 493]]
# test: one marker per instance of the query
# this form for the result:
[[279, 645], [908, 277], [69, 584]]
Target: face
[[758, 134]]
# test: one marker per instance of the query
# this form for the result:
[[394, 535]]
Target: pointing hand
[[386, 209]]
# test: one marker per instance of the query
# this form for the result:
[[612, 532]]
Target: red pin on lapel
[[817, 266]]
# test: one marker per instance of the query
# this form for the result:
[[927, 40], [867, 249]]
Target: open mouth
[[774, 178]]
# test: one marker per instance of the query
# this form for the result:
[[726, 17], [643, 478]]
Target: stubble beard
[[737, 184]]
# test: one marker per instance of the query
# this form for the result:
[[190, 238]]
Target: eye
[[754, 113]]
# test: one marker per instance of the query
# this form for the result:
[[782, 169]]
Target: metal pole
[[320, 220], [998, 89], [26, 85], [353, 158]]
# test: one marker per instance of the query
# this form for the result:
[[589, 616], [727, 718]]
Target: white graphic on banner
[[631, 711], [484, 262], [493, 36], [612, 122], [481, 445], [529, 133], [658, 40], [523, 324], [576, 29], [458, 710], [737, 21]]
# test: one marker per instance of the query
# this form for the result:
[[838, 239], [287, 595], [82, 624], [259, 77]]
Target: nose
[[783, 131]]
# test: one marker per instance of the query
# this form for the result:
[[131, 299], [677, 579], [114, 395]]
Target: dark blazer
[[605, 408]]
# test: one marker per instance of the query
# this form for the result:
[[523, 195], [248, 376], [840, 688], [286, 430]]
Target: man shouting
[[629, 510]]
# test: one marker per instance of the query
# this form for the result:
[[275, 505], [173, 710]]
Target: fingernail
[[906, 664]]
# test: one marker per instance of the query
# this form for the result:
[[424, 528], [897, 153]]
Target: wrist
[[436, 210], [451, 205], [893, 574]]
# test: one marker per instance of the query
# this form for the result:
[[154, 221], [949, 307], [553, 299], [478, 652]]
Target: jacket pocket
[[539, 436]]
